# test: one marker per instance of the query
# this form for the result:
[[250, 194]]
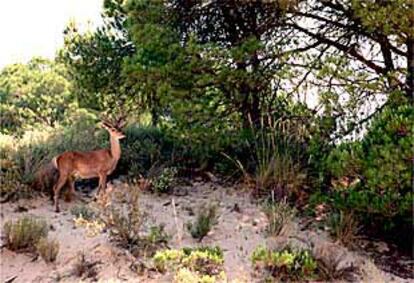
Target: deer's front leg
[[102, 184]]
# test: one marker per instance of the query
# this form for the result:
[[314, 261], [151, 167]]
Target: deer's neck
[[115, 148]]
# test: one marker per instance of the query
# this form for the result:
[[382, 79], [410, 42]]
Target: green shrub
[[149, 243], [43, 92], [286, 265], [205, 220], [164, 182], [48, 249], [24, 233], [12, 186], [374, 175], [125, 223], [144, 147], [280, 215]]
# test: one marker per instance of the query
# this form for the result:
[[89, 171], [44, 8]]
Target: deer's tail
[[55, 162]]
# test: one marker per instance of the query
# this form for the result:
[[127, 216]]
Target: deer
[[89, 164]]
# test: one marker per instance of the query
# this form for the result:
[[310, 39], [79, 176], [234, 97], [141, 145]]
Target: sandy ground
[[239, 231]]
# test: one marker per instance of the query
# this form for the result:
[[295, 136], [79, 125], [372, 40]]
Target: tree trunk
[[410, 70]]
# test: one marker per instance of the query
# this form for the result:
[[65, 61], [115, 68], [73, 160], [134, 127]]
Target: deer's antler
[[115, 124], [121, 121]]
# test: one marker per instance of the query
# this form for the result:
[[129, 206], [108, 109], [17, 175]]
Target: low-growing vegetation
[[164, 182], [280, 216], [206, 218], [23, 234], [205, 261], [286, 265], [48, 249], [85, 268], [125, 221], [83, 211], [344, 227]]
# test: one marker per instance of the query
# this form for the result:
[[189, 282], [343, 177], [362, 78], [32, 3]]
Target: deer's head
[[114, 129]]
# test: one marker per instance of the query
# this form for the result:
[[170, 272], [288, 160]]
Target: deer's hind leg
[[57, 188], [71, 193]]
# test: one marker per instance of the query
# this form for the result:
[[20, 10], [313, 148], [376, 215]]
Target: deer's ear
[[106, 126]]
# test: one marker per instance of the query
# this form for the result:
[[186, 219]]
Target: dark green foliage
[[94, 60], [374, 175], [143, 148]]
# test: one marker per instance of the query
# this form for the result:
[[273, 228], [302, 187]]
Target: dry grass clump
[[24, 233], [84, 268], [280, 216], [123, 217], [48, 249], [344, 227]]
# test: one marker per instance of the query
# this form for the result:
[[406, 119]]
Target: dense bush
[[373, 177], [143, 148]]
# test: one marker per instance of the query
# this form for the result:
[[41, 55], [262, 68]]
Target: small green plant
[[206, 219], [48, 249], [148, 244], [165, 180], [24, 233], [343, 226], [280, 215], [204, 260], [157, 234], [82, 210], [287, 264]]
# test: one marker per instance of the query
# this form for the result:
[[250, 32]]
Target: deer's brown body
[[99, 163]]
